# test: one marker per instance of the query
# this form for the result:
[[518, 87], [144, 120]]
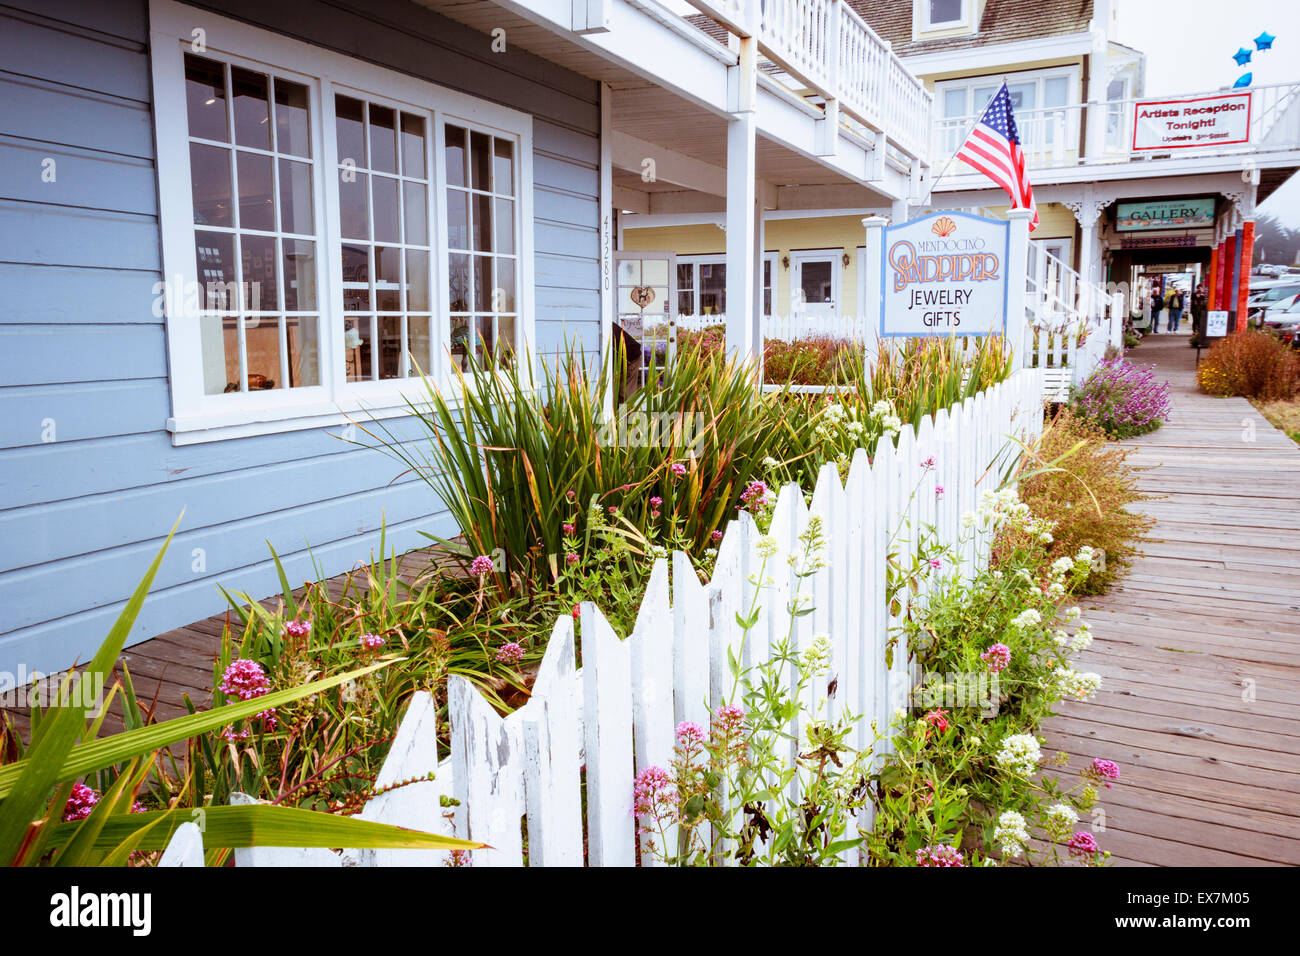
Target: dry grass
[[1283, 414]]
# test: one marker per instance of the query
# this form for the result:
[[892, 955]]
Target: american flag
[[993, 148]]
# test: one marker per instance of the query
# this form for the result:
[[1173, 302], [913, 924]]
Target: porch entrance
[[815, 282]]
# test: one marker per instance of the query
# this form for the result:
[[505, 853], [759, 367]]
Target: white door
[[815, 282], [645, 296]]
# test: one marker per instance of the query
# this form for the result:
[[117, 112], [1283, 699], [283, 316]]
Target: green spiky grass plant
[[66, 746]]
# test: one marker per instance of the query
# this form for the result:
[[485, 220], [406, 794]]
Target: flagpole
[[953, 158]]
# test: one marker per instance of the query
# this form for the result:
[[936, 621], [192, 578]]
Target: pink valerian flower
[[458, 858], [938, 491], [297, 628], [728, 731], [940, 855], [998, 656], [654, 798], [571, 558], [689, 735], [656, 501], [481, 565], [138, 807], [613, 509], [246, 680], [577, 611], [510, 653], [936, 564], [372, 641], [754, 496], [569, 495], [1101, 771], [80, 802], [715, 537], [938, 719], [1082, 843], [928, 463], [678, 469], [567, 528]]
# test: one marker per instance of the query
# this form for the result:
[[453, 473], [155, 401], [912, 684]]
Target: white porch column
[[1087, 212], [1098, 79], [871, 258], [898, 212], [1017, 267], [744, 338]]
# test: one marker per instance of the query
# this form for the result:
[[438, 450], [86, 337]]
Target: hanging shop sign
[[1189, 123], [944, 274], [1164, 214]]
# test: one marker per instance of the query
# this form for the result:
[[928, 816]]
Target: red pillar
[[1229, 257], [1243, 285]]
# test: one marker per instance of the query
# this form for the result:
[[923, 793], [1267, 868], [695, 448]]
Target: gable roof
[[1003, 21]]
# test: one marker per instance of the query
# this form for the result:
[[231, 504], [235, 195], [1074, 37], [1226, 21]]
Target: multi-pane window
[[944, 12], [383, 184], [255, 247], [702, 285], [482, 242], [343, 225]]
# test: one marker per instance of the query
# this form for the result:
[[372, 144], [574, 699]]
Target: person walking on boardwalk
[[1157, 305], [1200, 302], [1175, 310]]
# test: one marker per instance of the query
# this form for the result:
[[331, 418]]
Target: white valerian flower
[[834, 412], [881, 408], [1085, 556], [766, 545], [854, 428], [1082, 638], [1024, 575], [1060, 638], [1056, 589], [1073, 614], [1011, 834], [968, 519], [892, 423], [1019, 753], [1045, 537], [769, 463], [1063, 565], [1074, 684], [1059, 819], [1027, 619]]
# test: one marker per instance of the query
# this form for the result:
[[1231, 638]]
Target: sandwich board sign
[[944, 274], [1216, 324]]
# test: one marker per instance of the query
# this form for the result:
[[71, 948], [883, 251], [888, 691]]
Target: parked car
[[1269, 297], [1277, 314]]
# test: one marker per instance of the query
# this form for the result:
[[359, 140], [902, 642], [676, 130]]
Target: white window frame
[[1038, 77], [197, 417], [719, 259]]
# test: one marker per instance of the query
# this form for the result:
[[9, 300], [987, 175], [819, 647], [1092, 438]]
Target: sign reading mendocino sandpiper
[[944, 274]]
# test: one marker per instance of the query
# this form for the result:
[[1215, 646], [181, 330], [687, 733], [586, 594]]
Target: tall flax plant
[[512, 454], [924, 375]]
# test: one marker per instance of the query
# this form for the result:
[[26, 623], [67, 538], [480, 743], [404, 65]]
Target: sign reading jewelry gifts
[[1186, 124], [944, 274]]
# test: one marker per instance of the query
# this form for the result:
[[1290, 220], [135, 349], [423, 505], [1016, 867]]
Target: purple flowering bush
[[1122, 399]]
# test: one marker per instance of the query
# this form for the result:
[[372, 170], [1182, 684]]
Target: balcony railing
[[1103, 132], [830, 49]]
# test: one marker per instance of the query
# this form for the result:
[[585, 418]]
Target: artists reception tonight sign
[[1164, 214], [944, 274], [1186, 124]]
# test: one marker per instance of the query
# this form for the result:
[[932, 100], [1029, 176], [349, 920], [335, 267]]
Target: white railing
[[524, 772], [1061, 135], [788, 328], [1069, 322], [832, 51]]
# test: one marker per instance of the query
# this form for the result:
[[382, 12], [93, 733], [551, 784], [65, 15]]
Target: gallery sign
[[1186, 124], [944, 274], [1164, 214]]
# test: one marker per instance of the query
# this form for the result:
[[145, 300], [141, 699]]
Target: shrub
[[1122, 399], [1081, 482], [822, 360], [1250, 364]]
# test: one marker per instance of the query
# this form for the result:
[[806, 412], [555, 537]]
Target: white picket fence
[[788, 328], [617, 714]]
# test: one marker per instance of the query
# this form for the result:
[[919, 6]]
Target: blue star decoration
[[1242, 56], [1243, 80], [1264, 41]]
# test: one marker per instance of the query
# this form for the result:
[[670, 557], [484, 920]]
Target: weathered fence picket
[[616, 715]]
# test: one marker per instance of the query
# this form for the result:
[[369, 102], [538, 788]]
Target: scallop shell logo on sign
[[642, 295], [943, 226]]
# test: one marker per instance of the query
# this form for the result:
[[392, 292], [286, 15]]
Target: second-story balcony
[[1059, 139]]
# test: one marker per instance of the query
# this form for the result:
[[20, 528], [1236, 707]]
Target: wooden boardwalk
[[1199, 646]]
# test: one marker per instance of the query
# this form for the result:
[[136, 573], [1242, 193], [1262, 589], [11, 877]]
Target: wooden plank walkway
[[1199, 646]]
